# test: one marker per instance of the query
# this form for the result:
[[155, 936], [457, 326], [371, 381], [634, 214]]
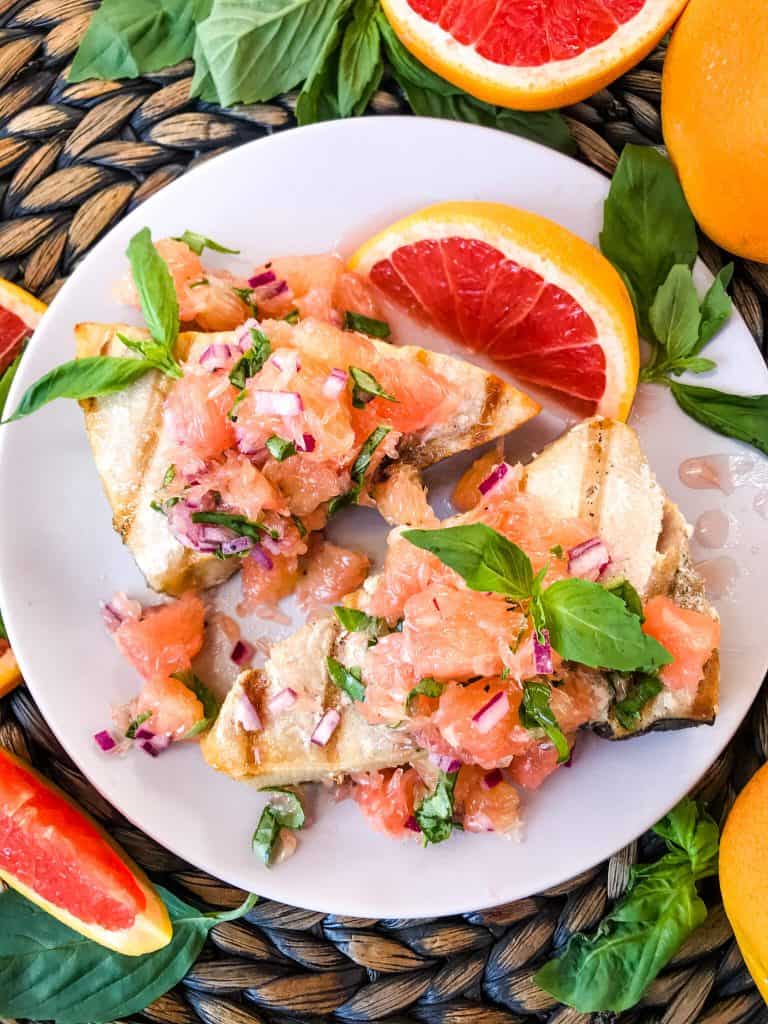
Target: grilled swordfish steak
[[133, 443], [596, 475]]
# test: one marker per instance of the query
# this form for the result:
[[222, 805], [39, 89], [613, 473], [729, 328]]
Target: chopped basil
[[365, 388], [241, 396], [134, 724], [249, 364], [355, 621], [207, 698], [199, 242], [238, 524], [157, 507], [557, 551], [280, 448], [435, 812], [643, 688], [341, 501], [170, 475], [427, 687], [363, 460], [505, 673], [287, 813], [246, 295], [299, 525], [349, 680], [536, 713], [292, 317], [200, 283], [366, 325]]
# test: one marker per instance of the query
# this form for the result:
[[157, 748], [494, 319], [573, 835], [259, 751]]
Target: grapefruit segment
[[59, 858], [517, 288], [531, 54]]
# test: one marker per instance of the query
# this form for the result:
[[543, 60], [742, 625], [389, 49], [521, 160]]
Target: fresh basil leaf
[[674, 314], [254, 51], [624, 589], [589, 625], [366, 325], [360, 64], [365, 455], [6, 379], [156, 291], [484, 558], [349, 680], [288, 812], [536, 713], [647, 225], [240, 525], [434, 814], [280, 448], [427, 687], [643, 688], [251, 361], [81, 378], [744, 417], [318, 99], [432, 96], [209, 700], [199, 242], [153, 352], [716, 307], [50, 972], [692, 364], [128, 38], [342, 501], [611, 970], [169, 476], [355, 621], [288, 806], [299, 525], [134, 724], [366, 388]]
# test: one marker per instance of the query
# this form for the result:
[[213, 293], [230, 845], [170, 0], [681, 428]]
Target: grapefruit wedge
[[57, 857], [531, 54], [20, 313], [538, 300]]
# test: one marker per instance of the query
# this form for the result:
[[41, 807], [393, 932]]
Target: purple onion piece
[[143, 734], [105, 740], [498, 473], [242, 653], [258, 554], [236, 546], [542, 654], [259, 280]]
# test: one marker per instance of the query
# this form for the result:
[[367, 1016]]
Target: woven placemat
[[73, 160]]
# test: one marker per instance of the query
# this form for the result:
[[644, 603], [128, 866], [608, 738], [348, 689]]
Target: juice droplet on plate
[[719, 575], [712, 528], [720, 472]]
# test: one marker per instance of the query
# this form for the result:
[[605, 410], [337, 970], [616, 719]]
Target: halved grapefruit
[[538, 300], [57, 857], [531, 54]]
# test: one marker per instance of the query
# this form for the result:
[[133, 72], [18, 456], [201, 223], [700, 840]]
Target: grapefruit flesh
[[13, 334], [54, 854], [688, 635]]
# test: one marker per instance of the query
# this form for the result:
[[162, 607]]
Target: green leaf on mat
[[360, 63]]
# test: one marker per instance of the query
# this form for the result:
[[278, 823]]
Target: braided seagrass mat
[[73, 160]]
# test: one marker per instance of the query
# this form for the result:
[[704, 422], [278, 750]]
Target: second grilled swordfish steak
[[442, 405], [595, 476]]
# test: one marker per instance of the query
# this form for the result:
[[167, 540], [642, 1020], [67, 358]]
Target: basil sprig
[[586, 622], [50, 972], [612, 969], [287, 811], [434, 814], [649, 235], [536, 713], [198, 242], [350, 680]]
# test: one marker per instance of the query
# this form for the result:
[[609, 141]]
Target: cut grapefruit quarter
[[518, 288], [55, 855], [531, 54]]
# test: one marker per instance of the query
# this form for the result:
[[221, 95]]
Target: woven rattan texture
[[73, 160]]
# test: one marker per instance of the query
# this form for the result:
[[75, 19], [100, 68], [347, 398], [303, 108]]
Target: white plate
[[321, 188]]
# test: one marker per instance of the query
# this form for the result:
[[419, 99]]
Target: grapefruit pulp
[[538, 300], [57, 857]]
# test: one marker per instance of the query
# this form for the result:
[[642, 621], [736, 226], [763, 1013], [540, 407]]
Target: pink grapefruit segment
[[57, 856]]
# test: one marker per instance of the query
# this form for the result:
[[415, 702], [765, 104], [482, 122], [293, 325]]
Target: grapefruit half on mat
[[539, 301], [531, 54], [57, 857]]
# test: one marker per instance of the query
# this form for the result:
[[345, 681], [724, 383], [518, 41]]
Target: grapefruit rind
[[151, 929], [10, 675], [22, 303], [553, 252], [539, 87]]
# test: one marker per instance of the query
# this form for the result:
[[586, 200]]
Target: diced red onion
[[259, 280], [445, 762], [542, 654], [156, 745], [326, 727], [215, 356], [335, 383], [105, 740], [258, 554], [143, 734], [589, 560], [243, 337], [498, 473], [491, 714], [434, 602], [492, 779], [242, 653], [307, 443], [203, 537], [271, 291], [246, 714], [286, 360], [282, 701], [277, 403], [236, 546], [412, 825]]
